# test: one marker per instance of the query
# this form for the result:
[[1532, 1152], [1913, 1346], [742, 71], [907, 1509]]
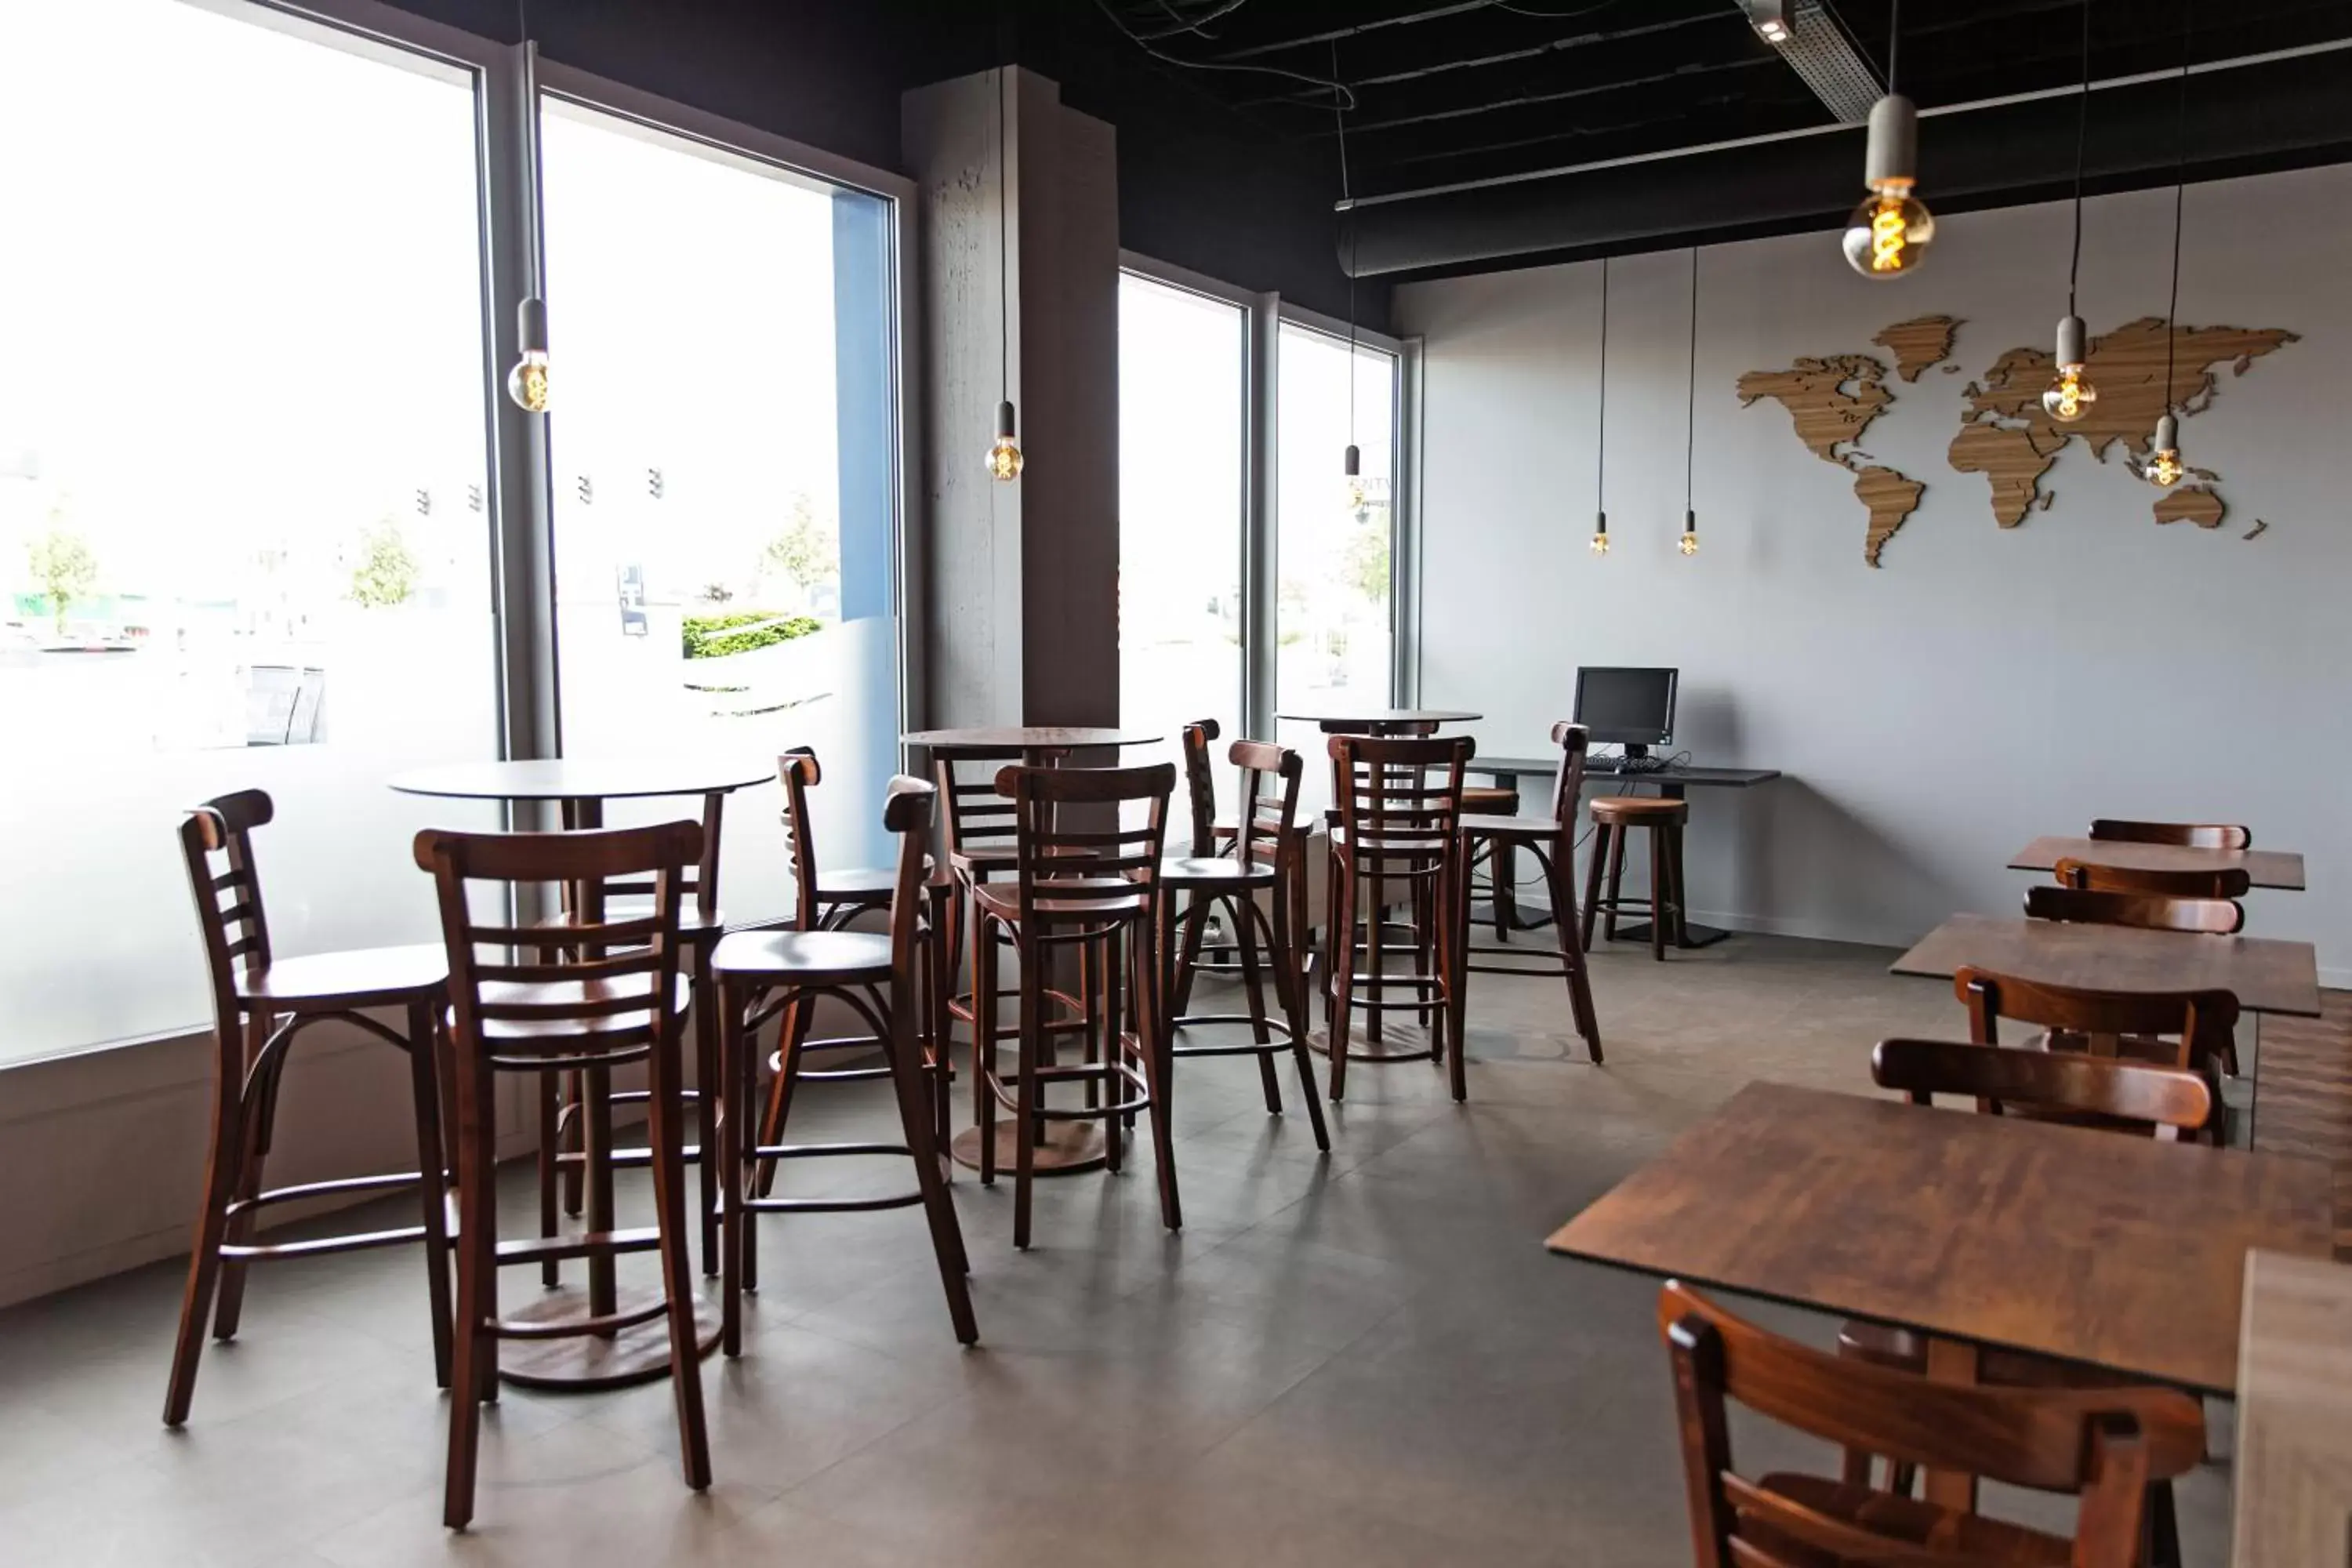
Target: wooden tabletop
[[2293, 1482], [585, 778], [2264, 868], [2122, 1252], [2265, 975], [1346, 719], [1026, 737]]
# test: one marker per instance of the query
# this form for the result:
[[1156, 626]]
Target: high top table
[[1343, 719], [579, 787]]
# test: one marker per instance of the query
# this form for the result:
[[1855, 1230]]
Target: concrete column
[[1020, 581]]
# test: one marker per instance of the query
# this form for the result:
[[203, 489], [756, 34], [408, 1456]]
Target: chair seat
[[1490, 800], [1491, 826], [1003, 901], [803, 956], [859, 885], [562, 992], [1639, 808], [1969, 1538], [1183, 873], [361, 977]]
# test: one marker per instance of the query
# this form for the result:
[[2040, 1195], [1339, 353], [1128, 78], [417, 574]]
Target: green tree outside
[[65, 565], [387, 569]]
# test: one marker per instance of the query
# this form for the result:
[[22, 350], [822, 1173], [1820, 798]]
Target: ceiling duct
[[1817, 49]]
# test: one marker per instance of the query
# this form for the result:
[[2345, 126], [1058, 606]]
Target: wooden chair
[[883, 979], [1552, 841], [825, 901], [615, 996], [261, 1003], [2227, 882], [1615, 818], [1397, 830], [2146, 912], [1213, 835], [2107, 1445], [1261, 862], [2190, 1030], [2187, 834], [1083, 881]]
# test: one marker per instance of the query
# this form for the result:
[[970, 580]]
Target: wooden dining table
[[2281, 868], [1977, 1231], [2265, 975]]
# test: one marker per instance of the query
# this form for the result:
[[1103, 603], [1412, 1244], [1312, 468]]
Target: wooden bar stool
[[616, 996], [1260, 862], [260, 1004], [1499, 859], [883, 980], [1397, 830], [1614, 817], [1084, 882], [1552, 841], [1211, 835]]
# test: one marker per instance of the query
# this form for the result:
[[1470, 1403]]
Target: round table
[[1067, 1147], [580, 786], [1344, 719]]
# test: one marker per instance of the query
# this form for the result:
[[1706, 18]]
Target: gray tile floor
[[1363, 1359]]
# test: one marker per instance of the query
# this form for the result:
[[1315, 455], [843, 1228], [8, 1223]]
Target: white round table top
[[584, 778]]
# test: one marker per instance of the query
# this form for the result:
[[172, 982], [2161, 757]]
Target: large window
[[1182, 376], [244, 534]]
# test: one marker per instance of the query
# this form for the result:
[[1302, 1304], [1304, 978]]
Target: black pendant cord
[[2082, 133], [1003, 258], [1600, 430], [1893, 38], [1347, 205], [2179, 188], [537, 280], [1690, 395]]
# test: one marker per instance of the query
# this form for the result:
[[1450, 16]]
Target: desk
[[1671, 783], [2264, 868], [1980, 1229]]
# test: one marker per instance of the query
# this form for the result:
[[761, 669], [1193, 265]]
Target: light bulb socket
[[1690, 522], [1352, 464], [530, 326], [2070, 341], [1005, 428], [1600, 522], [1893, 158], [2168, 433]]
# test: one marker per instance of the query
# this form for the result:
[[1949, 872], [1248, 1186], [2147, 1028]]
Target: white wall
[[1985, 685]]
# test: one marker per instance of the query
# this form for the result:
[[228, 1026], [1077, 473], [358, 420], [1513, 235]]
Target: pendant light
[[1601, 429], [1689, 543], [1351, 462], [2164, 467], [526, 382], [1889, 232], [1005, 460], [2071, 395]]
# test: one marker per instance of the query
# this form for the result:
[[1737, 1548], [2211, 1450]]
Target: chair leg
[[260, 1110], [474, 1353], [1115, 1126], [1452, 886], [212, 1229], [432, 1175], [1253, 987], [734, 1280], [1599, 855], [666, 1098], [1661, 878], [710, 1105], [983, 1047], [1024, 1091], [792, 1030], [902, 1047], [1502, 870], [1195, 925], [2163, 1526], [1287, 985], [1151, 1038], [1680, 893], [547, 1090], [1616, 880], [1561, 880], [1375, 957], [1425, 946], [1343, 969]]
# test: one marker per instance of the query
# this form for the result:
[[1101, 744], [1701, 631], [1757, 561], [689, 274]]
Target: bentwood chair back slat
[[261, 1003], [888, 981], [2088, 875], [2185, 834], [1086, 880], [605, 991], [2192, 1030], [1552, 841], [2143, 911], [1396, 821], [1253, 885], [2105, 1446]]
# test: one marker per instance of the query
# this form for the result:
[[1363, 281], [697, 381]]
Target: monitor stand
[[1638, 760]]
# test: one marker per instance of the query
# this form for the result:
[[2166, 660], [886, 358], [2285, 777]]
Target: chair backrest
[[1567, 783], [1072, 844], [701, 884], [1269, 775], [585, 992], [2088, 875], [978, 819], [1201, 783], [2187, 834], [1402, 794], [909, 806], [2106, 1444], [2090, 1087], [228, 900], [2148, 912], [2203, 1021], [798, 771]]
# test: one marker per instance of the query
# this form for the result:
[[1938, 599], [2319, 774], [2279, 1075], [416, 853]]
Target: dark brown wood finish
[[2184, 1029], [1614, 819], [1968, 1228], [2106, 1444], [1551, 839], [601, 991], [2265, 975], [2144, 911], [2094, 877], [2192, 835], [2276, 869], [2163, 1102], [261, 1005]]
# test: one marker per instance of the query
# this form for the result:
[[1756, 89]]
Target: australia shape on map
[[2006, 435], [1833, 400]]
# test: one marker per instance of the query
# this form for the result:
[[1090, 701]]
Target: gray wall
[[1985, 685]]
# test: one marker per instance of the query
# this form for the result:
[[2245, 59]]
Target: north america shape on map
[[2004, 434]]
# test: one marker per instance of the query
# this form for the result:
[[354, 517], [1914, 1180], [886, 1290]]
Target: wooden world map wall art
[[2004, 434]]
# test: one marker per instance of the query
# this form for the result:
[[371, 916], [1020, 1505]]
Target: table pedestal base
[[1694, 934], [581, 1364], [1067, 1149]]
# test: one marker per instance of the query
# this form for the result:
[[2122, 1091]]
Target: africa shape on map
[[2004, 434]]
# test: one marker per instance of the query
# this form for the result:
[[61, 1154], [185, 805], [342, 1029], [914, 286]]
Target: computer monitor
[[1633, 708]]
